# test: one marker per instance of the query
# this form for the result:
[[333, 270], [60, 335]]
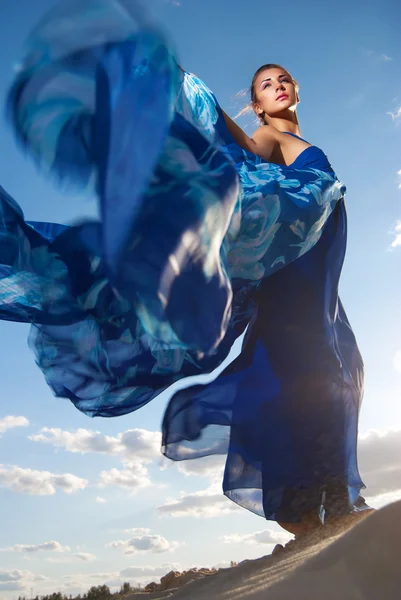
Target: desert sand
[[362, 563]]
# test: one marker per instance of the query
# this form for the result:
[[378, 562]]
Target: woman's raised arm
[[262, 143]]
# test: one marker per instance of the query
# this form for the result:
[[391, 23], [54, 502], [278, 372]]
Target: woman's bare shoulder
[[265, 140], [268, 132], [265, 132], [283, 148]]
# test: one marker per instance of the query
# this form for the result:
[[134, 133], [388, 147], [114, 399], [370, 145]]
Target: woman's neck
[[289, 124]]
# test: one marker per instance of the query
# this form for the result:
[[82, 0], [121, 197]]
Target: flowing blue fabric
[[197, 241]]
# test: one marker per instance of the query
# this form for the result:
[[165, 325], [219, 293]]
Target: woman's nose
[[280, 86]]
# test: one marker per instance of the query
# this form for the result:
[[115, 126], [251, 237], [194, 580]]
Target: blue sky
[[80, 508]]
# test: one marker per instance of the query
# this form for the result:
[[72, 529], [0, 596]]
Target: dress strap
[[294, 135]]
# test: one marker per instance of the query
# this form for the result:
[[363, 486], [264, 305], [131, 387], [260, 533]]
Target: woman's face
[[275, 93]]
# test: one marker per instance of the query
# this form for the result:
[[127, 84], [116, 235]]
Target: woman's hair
[[250, 106]]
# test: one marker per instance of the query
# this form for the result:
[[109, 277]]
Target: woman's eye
[[286, 79]]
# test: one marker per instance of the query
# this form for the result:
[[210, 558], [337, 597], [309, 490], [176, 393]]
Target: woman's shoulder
[[284, 138], [264, 132], [285, 148]]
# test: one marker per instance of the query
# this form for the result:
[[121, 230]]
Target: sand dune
[[361, 564]]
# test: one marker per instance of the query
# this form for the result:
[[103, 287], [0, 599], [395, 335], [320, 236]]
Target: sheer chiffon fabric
[[198, 241]]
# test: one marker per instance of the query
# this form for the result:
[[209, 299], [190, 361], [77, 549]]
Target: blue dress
[[198, 241]]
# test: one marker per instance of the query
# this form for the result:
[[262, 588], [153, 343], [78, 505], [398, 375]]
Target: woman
[[292, 457], [274, 98], [205, 235]]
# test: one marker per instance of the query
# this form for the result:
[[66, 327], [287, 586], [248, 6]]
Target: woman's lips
[[282, 97]]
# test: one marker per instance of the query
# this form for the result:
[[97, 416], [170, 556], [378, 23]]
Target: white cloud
[[396, 232], [85, 556], [31, 549], [259, 537], [17, 580], [117, 544], [100, 500], [377, 56], [209, 466], [144, 543], [151, 572], [133, 445], [69, 483], [66, 560], [10, 422], [205, 503], [396, 116], [102, 576], [134, 478], [39, 483], [137, 531], [14, 575], [72, 558], [379, 462]]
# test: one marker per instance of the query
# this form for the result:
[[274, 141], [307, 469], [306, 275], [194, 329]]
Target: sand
[[360, 564]]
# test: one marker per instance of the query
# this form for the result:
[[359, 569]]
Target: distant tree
[[101, 592], [126, 588], [54, 596]]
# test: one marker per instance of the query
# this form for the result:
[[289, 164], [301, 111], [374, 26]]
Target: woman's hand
[[262, 143]]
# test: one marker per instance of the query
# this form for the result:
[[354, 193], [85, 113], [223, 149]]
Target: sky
[[86, 502]]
